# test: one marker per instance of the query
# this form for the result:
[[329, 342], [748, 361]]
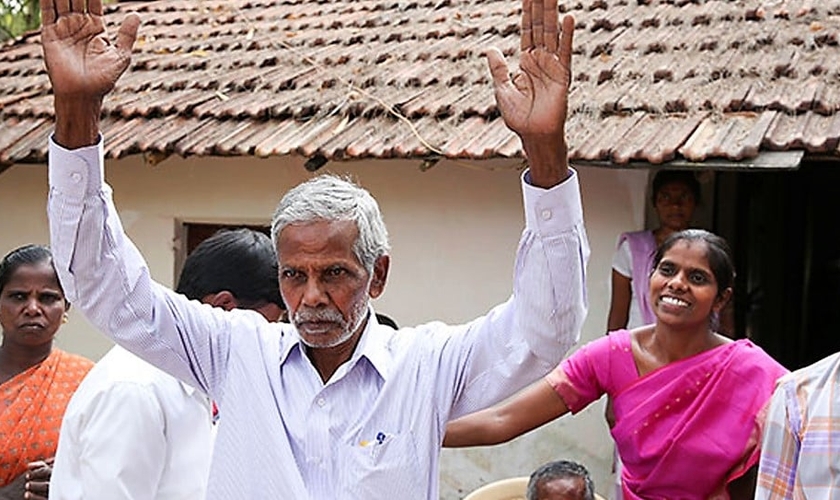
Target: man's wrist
[[77, 121], [547, 160]]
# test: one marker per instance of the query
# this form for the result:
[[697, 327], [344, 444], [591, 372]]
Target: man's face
[[325, 287], [561, 488]]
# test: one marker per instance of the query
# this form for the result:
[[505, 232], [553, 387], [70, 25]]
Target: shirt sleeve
[[522, 339], [106, 277], [622, 260], [780, 444], [111, 463]]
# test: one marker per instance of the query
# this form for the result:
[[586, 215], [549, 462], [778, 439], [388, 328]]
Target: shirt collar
[[373, 346], [187, 388]]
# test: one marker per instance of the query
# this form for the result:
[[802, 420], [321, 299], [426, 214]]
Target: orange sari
[[31, 407]]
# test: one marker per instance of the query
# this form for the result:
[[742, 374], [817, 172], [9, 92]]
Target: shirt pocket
[[386, 467]]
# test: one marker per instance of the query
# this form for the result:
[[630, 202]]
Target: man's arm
[[524, 338], [121, 447], [521, 340], [101, 271], [780, 445]]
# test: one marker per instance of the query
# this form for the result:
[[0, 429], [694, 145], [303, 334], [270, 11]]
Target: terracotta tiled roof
[[654, 80]]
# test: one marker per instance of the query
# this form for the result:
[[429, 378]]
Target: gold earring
[[65, 318]]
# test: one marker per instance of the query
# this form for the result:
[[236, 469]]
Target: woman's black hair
[[717, 253], [665, 177], [23, 256]]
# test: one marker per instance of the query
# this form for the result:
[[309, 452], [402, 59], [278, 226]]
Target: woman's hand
[[14, 490], [38, 479]]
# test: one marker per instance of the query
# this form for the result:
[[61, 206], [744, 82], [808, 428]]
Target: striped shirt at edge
[[800, 452]]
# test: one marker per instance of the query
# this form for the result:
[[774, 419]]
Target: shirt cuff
[[76, 172], [554, 210]]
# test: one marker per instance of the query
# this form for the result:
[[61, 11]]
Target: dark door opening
[[785, 237]]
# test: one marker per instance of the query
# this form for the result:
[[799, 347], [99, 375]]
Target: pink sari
[[683, 431]]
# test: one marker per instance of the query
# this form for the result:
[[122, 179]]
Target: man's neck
[[327, 359]]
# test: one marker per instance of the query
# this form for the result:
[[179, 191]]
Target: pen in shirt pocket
[[380, 438]]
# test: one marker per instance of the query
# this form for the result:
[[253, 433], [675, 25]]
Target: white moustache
[[331, 315]]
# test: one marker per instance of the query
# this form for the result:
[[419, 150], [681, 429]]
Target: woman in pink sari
[[688, 401]]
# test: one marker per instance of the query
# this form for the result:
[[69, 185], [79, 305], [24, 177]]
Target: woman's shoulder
[[750, 356], [615, 340], [71, 360]]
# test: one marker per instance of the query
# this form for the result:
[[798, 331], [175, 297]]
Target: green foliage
[[18, 17]]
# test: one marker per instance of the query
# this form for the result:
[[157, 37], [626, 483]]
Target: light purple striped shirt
[[374, 430], [800, 451]]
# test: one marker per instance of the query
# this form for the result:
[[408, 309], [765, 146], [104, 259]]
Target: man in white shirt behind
[[131, 431]]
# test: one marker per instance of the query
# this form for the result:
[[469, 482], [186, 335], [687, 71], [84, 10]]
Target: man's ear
[[380, 275], [223, 299]]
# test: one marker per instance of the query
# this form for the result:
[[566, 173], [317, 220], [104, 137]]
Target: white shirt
[[374, 430], [623, 264], [133, 432]]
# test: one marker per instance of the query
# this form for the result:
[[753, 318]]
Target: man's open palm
[[80, 59], [533, 101]]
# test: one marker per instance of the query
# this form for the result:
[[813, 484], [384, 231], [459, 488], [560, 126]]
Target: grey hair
[[559, 470], [332, 198]]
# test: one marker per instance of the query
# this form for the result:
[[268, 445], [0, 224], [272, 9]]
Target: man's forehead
[[318, 230], [318, 246], [320, 236]]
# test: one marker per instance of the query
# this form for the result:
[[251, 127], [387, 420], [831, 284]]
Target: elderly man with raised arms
[[332, 405]]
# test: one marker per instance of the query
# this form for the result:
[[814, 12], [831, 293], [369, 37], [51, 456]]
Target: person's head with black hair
[[675, 194], [32, 303], [234, 269], [561, 480]]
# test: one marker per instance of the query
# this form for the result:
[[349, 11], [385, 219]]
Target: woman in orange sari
[[36, 379]]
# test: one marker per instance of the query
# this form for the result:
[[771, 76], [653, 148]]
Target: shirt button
[[545, 214], [76, 176], [321, 402]]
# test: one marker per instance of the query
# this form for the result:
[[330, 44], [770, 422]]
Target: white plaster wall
[[453, 229]]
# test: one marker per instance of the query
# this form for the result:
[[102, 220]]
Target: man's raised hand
[[83, 65], [534, 100]]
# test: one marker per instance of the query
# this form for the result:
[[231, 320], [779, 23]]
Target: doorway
[[786, 243]]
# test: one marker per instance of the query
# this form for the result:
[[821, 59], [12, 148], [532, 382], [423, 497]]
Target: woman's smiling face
[[683, 288]]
